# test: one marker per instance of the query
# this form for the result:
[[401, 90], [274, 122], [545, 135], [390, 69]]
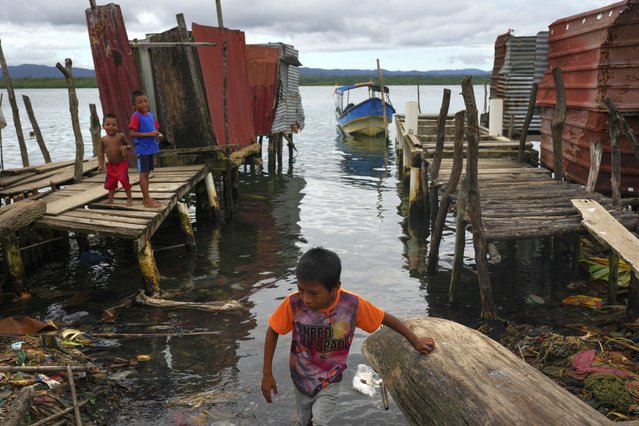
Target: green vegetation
[[391, 80], [50, 83]]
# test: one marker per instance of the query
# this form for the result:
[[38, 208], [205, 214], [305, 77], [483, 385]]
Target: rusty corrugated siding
[[289, 113], [115, 69], [262, 68], [500, 55], [598, 52], [241, 129], [184, 121]]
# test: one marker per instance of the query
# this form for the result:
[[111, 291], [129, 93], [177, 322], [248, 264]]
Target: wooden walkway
[[77, 207]]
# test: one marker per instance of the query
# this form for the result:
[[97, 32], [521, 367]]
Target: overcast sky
[[403, 34]]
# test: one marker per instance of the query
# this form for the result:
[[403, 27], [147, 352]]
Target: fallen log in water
[[469, 380], [216, 306]]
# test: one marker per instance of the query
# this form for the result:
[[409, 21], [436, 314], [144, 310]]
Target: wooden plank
[[110, 215], [80, 199], [605, 228], [9, 180], [76, 225]]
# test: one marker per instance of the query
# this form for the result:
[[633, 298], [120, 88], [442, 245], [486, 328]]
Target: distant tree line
[[50, 83], [90, 82]]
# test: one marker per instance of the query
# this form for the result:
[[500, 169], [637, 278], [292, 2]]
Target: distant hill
[[319, 72], [43, 71]]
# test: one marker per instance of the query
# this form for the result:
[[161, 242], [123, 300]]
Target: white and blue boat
[[358, 114]]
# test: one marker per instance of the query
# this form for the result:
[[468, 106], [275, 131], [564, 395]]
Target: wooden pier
[[77, 208], [498, 198]]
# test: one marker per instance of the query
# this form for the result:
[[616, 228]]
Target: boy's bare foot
[[152, 203], [129, 202], [107, 201]]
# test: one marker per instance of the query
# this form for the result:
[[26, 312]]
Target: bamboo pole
[[521, 156], [36, 129], [96, 129], [558, 124], [14, 108], [383, 96], [474, 205], [453, 180], [187, 229], [73, 109]]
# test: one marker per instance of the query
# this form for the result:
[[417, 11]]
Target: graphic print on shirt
[[321, 341]]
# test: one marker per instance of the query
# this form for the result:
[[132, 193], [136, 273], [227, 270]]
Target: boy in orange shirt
[[323, 317]]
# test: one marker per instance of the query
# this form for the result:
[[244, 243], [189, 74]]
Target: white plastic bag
[[366, 380]]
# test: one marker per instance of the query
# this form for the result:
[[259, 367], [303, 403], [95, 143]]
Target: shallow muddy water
[[339, 194]]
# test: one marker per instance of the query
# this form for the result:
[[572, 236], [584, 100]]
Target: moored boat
[[366, 116]]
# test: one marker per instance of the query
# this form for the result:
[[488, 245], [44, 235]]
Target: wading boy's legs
[[317, 410]]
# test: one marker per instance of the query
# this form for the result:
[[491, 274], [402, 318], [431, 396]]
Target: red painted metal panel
[[598, 52], [239, 107], [115, 69], [262, 67]]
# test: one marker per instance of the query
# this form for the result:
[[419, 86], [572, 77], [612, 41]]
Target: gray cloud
[[312, 26]]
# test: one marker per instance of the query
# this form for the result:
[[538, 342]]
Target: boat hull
[[366, 118]]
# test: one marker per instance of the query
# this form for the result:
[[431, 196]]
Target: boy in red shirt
[[323, 317], [115, 146]]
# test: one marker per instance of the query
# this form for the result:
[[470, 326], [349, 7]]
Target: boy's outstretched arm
[[268, 381], [420, 343]]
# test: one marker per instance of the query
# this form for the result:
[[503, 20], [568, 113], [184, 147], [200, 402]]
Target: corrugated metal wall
[[522, 63], [289, 113], [262, 67]]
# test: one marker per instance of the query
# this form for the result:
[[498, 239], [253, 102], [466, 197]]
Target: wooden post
[[383, 96], [485, 98], [615, 160], [460, 241], [15, 267], [576, 254], [633, 295], [458, 160], [441, 135], [416, 191], [218, 8], [596, 150], [149, 269], [73, 109], [623, 126], [228, 179], [280, 146], [521, 157], [14, 108], [558, 124], [474, 206], [36, 129], [613, 277], [511, 125], [187, 229], [96, 129], [271, 153], [211, 192]]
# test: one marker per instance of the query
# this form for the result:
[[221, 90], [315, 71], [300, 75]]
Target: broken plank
[[606, 229]]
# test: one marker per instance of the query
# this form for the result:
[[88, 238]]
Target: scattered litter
[[583, 300], [16, 346], [366, 380], [53, 384], [533, 299]]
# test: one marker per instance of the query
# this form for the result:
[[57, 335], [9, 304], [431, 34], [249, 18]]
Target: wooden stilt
[[596, 150], [187, 229], [460, 243], [613, 277], [441, 136], [456, 169], [558, 124], [149, 269], [474, 206], [96, 129], [83, 242], [14, 108], [633, 296], [271, 153], [203, 210], [521, 156], [212, 197], [576, 254], [280, 146], [425, 189], [511, 125], [615, 160], [415, 194], [15, 267], [36, 129], [73, 109]]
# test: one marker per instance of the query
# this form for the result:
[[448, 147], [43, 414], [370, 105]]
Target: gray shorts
[[320, 408]]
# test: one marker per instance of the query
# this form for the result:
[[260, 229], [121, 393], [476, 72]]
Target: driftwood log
[[215, 306], [19, 408], [18, 215], [469, 380]]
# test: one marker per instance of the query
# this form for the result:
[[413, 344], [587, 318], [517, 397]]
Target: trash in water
[[53, 384], [533, 299], [75, 317], [366, 380], [16, 346], [583, 300]]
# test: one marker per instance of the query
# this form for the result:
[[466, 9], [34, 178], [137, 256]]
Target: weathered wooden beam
[[96, 129], [73, 109], [36, 129], [187, 229], [596, 150], [521, 156], [438, 227], [469, 379], [623, 125], [135, 43], [149, 269], [474, 205], [15, 267], [558, 123]]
